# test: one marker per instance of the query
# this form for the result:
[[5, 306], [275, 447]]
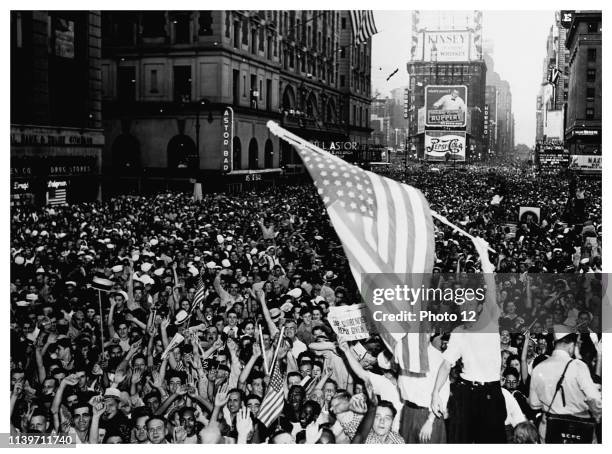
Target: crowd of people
[[161, 319]]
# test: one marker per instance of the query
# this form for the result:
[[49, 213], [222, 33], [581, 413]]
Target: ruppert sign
[[228, 139], [445, 145], [445, 105]]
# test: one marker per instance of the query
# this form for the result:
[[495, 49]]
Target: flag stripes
[[56, 196], [386, 229], [272, 404], [363, 25]]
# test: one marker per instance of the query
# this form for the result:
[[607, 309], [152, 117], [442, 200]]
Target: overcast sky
[[519, 40]]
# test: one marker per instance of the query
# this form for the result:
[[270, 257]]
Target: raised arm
[[524, 350], [352, 361], [261, 297], [244, 375]]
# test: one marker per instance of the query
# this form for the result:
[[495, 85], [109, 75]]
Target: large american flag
[[272, 404], [363, 25], [386, 229]]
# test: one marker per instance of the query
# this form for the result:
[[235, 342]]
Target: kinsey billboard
[[445, 145], [445, 105], [446, 46]]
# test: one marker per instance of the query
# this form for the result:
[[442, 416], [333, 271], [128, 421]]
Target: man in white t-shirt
[[478, 409]]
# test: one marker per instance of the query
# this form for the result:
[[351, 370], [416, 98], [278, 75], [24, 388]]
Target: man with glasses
[[156, 430]]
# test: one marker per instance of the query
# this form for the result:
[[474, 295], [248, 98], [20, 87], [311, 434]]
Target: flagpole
[[280, 340], [442, 219], [101, 320], [263, 350]]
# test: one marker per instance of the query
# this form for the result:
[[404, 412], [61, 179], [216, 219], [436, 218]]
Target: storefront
[[51, 166]]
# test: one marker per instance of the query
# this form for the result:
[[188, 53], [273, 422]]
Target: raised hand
[[256, 350], [221, 398], [165, 323], [358, 404], [244, 423], [182, 390], [99, 408], [343, 345], [313, 433], [71, 380], [97, 370], [179, 435], [17, 389], [218, 344], [136, 376]]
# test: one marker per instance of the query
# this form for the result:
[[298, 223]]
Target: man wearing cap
[[114, 420], [575, 395]]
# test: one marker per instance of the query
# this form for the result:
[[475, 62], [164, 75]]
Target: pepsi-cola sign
[[444, 145]]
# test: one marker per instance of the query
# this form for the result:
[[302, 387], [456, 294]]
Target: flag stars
[[349, 184], [323, 173], [353, 205], [351, 194], [337, 183], [359, 186], [340, 193], [325, 182], [370, 200], [334, 174]]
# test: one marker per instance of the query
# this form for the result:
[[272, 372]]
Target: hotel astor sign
[[228, 139]]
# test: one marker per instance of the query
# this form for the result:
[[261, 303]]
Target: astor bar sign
[[228, 139]]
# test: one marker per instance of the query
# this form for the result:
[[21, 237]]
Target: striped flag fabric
[[386, 228], [56, 196], [199, 295], [273, 402], [364, 27]]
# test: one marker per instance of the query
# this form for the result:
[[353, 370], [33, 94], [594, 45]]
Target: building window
[[343, 22], [228, 23], [245, 31], [254, 41], [253, 92], [182, 83], [206, 20], [367, 117], [268, 94], [236, 86], [342, 81], [354, 114], [236, 35], [126, 84], [153, 24], [591, 75], [590, 94], [592, 27], [275, 47], [591, 54], [244, 84], [269, 47], [342, 52], [590, 113], [180, 22], [154, 88]]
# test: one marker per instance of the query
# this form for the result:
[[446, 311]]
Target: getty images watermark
[[516, 303]]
